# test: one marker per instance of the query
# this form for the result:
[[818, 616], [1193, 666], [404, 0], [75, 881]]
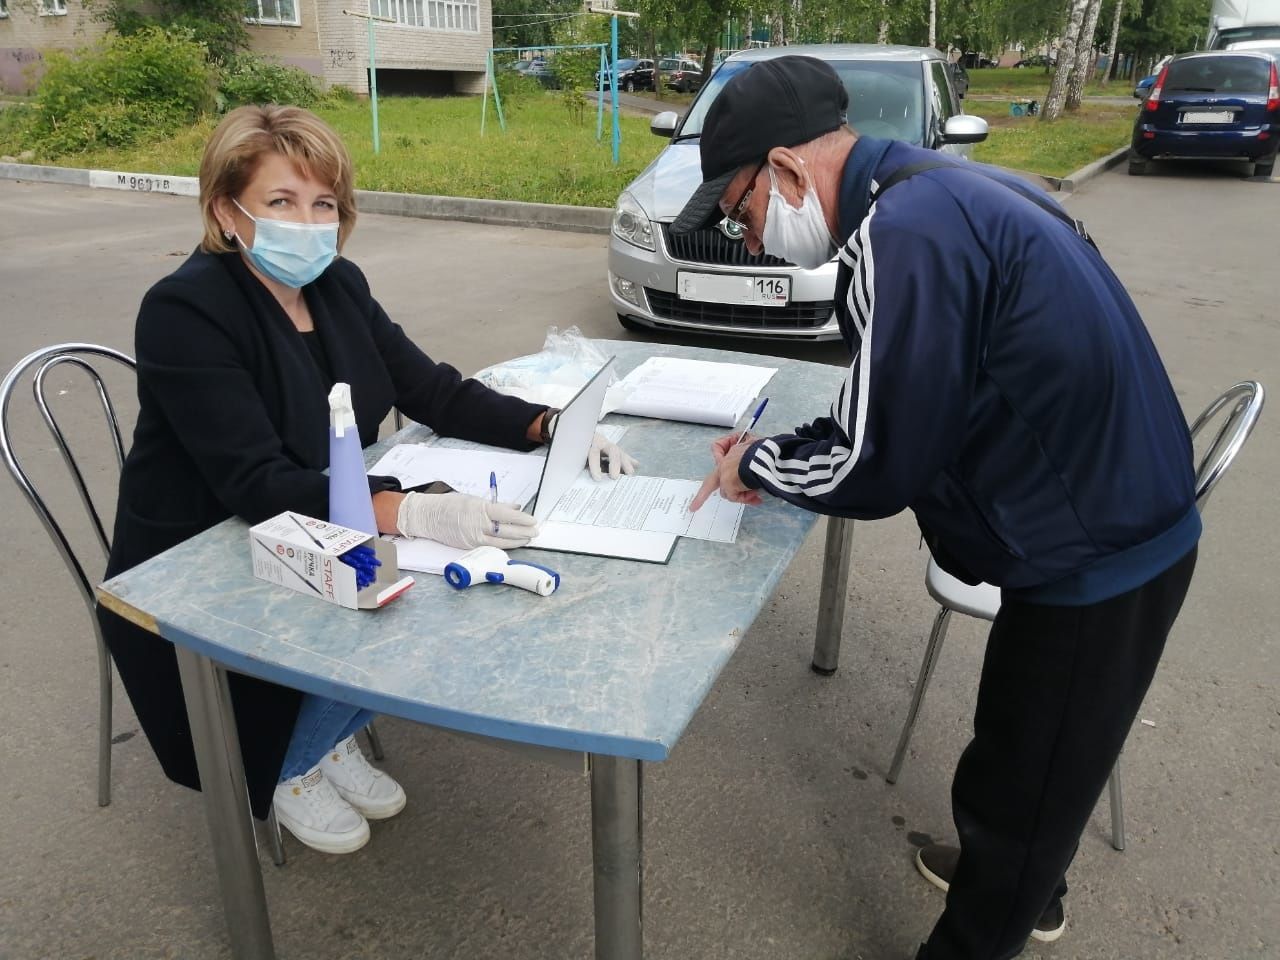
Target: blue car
[[1213, 105]]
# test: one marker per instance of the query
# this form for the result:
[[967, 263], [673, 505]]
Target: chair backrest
[[44, 362], [1244, 404]]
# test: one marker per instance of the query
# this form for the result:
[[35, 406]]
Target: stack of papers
[[697, 391]]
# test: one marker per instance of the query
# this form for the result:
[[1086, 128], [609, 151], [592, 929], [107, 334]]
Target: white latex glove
[[620, 461], [463, 521]]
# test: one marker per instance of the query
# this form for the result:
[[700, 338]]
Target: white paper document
[[424, 556], [467, 471], [697, 391], [649, 504]]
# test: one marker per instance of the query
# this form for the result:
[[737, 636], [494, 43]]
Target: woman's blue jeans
[[321, 723]]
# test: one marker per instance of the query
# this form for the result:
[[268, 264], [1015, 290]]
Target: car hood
[[667, 184]]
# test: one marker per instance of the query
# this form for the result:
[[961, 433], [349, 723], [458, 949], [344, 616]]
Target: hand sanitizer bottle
[[350, 504]]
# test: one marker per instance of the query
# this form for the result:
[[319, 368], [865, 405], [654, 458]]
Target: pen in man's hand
[[755, 418], [493, 496]]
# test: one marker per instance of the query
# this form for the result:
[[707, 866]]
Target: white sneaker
[[313, 812], [371, 791]]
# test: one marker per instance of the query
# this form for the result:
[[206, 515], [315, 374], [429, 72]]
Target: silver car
[[905, 93]]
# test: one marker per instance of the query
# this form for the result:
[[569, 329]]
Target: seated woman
[[237, 350]]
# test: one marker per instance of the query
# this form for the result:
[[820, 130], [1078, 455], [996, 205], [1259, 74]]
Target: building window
[[283, 13], [51, 8], [457, 15]]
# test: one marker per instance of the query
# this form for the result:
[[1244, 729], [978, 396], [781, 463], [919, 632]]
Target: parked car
[[544, 73], [681, 75], [1037, 60], [1142, 86], [1211, 105], [959, 79], [974, 61], [632, 75], [900, 92]]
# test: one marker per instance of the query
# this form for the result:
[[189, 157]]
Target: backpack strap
[[1044, 203]]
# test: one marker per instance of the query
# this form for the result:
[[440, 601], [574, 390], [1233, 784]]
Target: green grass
[[1053, 149], [433, 146], [1032, 82]]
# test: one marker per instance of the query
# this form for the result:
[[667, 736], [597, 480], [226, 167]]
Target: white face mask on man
[[798, 234]]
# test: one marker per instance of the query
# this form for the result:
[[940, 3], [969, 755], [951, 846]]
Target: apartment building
[[433, 46]]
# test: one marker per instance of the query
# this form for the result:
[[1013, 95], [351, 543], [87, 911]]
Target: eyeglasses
[[738, 209]]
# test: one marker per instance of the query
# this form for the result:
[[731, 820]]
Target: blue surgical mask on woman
[[290, 253]]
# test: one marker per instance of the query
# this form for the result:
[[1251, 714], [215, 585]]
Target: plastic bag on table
[[554, 374]]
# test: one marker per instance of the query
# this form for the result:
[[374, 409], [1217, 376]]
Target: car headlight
[[631, 223]]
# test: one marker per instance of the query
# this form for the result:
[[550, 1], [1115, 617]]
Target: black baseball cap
[[780, 102]]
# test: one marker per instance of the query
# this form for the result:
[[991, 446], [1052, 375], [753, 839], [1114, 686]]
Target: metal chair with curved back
[[44, 361], [1244, 403]]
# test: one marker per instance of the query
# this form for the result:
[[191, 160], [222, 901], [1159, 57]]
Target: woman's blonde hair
[[245, 136]]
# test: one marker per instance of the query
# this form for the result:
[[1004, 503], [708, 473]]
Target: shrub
[[122, 90], [513, 86], [218, 24], [16, 124], [247, 78]]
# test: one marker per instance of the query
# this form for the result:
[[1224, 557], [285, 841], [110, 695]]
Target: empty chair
[[75, 356], [1242, 403]]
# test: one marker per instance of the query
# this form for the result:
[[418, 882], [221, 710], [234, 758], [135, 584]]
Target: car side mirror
[[963, 128], [664, 124]]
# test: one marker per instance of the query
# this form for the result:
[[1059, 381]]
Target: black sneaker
[[937, 864]]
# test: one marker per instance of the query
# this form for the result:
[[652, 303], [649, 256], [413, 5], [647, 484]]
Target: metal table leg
[[835, 586], [617, 853], [226, 805]]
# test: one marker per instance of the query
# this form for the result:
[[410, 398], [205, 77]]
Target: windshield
[[886, 97], [1236, 34], [1219, 75], [626, 64]]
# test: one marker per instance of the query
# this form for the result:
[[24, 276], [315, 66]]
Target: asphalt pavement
[[770, 833]]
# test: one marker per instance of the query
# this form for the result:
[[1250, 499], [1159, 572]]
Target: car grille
[[711, 246], [796, 316]]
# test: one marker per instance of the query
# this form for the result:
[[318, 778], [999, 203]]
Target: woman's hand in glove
[[619, 461], [463, 521]]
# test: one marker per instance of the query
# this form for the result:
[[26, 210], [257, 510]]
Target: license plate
[[1208, 116], [726, 288]]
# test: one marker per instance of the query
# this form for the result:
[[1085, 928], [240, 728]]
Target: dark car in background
[[959, 78], [1213, 105], [1036, 60], [684, 76], [632, 75]]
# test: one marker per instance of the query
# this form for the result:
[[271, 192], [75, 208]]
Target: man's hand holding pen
[[727, 453]]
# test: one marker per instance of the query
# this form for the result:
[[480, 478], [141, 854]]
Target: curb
[[1091, 170], [506, 213]]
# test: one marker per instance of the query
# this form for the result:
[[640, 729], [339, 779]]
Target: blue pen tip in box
[[340, 565]]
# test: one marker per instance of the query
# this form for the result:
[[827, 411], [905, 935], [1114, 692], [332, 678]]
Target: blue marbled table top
[[616, 662]]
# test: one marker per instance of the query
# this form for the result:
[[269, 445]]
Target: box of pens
[[337, 564]]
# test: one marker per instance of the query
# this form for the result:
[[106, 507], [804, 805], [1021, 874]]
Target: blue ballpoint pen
[[493, 496], [755, 418]]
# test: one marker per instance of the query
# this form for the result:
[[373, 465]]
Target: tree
[[218, 24], [1083, 68], [1111, 46], [529, 23], [1066, 61]]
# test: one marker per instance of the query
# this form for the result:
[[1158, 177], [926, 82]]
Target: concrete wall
[[297, 46], [26, 34], [344, 46], [326, 43]]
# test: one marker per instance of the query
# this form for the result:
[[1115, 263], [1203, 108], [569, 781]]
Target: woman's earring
[[229, 234]]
